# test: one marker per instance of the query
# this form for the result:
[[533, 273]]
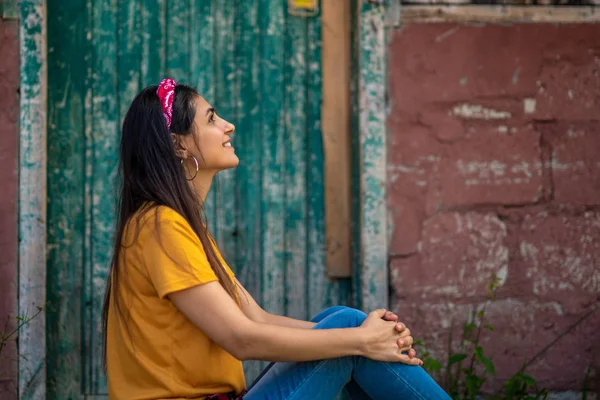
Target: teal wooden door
[[260, 68]]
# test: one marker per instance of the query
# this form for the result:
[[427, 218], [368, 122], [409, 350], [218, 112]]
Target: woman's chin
[[232, 162]]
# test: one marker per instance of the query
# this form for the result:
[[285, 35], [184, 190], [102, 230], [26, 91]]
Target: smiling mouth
[[227, 144]]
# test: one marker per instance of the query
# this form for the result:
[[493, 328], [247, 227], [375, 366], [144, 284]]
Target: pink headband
[[166, 93]]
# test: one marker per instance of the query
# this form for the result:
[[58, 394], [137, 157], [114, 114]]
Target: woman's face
[[210, 141]]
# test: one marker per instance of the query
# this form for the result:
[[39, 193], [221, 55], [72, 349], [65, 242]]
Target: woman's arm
[[210, 308], [256, 313]]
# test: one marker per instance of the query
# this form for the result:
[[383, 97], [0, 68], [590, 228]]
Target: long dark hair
[[151, 175]]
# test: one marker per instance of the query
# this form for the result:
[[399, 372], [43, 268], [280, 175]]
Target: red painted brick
[[462, 99], [521, 330], [9, 112], [444, 125], [458, 254], [448, 63], [574, 161], [413, 156], [493, 167], [569, 81], [559, 255], [407, 217]]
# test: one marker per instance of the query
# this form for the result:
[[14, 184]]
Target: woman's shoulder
[[156, 218], [159, 213]]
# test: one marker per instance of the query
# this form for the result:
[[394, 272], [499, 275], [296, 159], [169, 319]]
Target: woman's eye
[[211, 118]]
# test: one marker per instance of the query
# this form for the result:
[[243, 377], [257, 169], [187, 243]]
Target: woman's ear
[[179, 145]]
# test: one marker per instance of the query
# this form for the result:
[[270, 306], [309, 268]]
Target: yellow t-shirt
[[166, 355]]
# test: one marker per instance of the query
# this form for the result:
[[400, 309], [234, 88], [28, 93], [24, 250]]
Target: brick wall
[[494, 167], [9, 114]]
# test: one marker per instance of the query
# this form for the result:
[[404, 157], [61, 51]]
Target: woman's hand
[[386, 340], [390, 316]]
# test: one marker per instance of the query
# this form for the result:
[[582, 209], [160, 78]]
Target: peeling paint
[[529, 106], [32, 199], [477, 111], [373, 157]]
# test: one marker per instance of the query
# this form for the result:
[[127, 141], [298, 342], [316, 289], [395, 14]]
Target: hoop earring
[[197, 167]]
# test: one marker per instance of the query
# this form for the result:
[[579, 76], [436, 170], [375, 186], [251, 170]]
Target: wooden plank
[[355, 165], [101, 151], [202, 48], [335, 116], [271, 19], [295, 143], [66, 171], [322, 292], [130, 61], [498, 14], [249, 149], [225, 102], [153, 42], [177, 40], [373, 158], [32, 198]]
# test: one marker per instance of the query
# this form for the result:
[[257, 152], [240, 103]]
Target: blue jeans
[[362, 377]]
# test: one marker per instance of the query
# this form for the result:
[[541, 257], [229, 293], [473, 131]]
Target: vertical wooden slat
[[373, 157], [152, 28], [321, 291], [177, 40], [273, 187], [130, 61], [295, 143], [32, 198], [249, 150], [101, 167], [336, 135], [226, 95], [66, 172], [202, 47]]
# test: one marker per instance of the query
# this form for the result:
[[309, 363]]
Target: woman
[[176, 321]]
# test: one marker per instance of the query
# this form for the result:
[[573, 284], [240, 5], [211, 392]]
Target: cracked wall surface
[[9, 114], [494, 168]]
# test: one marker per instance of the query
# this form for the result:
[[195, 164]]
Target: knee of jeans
[[334, 309], [351, 317]]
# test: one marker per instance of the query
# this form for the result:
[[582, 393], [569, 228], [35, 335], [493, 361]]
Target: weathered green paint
[[272, 54], [260, 68], [226, 96], [202, 51], [372, 156], [67, 81], [9, 9], [248, 147], [32, 197], [295, 167], [102, 144]]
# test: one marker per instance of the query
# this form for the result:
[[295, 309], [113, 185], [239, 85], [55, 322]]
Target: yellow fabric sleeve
[[173, 254]]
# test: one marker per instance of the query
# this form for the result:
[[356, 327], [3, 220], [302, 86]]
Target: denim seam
[[405, 382], [291, 396]]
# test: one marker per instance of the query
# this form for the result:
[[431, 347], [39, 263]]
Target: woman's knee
[[327, 312], [349, 317]]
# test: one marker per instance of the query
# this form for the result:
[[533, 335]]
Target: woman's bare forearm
[[280, 320], [281, 343]]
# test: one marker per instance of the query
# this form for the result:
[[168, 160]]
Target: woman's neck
[[201, 184]]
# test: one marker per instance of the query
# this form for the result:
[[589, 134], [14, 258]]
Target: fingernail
[[401, 342]]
